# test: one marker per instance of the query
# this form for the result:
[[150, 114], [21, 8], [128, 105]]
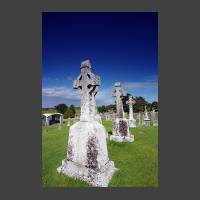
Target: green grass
[[137, 161]]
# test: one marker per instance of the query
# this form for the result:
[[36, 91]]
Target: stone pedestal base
[[132, 123], [147, 122], [121, 131], [155, 124], [87, 155], [122, 139], [95, 177]]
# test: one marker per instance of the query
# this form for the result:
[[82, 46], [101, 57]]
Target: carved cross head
[[131, 101], [118, 90], [86, 81]]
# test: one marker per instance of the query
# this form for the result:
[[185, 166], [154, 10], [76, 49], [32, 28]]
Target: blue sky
[[122, 47]]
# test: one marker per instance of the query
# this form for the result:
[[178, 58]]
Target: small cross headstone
[[154, 118], [132, 121], [146, 117]]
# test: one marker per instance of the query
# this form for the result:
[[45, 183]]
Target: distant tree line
[[109, 108], [68, 112], [137, 107]]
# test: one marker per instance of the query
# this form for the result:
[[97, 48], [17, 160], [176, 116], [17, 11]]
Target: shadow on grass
[[109, 132]]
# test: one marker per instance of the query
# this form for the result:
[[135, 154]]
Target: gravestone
[[47, 121], [61, 119], [46, 124], [132, 121], [146, 119], [87, 155], [120, 131], [138, 119], [61, 122], [154, 118]]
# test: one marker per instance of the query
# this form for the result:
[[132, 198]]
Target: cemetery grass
[[137, 161]]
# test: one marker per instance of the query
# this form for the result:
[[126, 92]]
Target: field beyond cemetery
[[137, 161]]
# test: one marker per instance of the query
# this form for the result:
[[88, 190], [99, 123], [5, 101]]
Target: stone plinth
[[155, 124], [132, 123], [87, 156], [121, 131], [147, 122]]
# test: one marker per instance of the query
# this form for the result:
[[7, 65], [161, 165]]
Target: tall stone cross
[[131, 102], [87, 83], [118, 93]]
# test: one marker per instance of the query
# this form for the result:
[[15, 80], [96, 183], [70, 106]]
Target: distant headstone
[[47, 121], [87, 154], [146, 119], [154, 118], [61, 119], [139, 119], [46, 124], [61, 122], [132, 121], [120, 131]]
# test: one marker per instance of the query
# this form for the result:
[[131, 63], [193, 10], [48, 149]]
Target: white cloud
[[55, 79], [61, 92], [104, 96], [147, 89], [140, 85]]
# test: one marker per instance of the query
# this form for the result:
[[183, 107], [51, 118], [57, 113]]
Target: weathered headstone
[[61, 119], [146, 117], [132, 121], [61, 122], [154, 118], [87, 154], [120, 131], [139, 119], [47, 121], [46, 124]]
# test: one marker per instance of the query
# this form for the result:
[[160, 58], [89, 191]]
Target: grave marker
[[87, 155], [120, 131]]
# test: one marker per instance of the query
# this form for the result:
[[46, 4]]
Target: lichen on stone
[[92, 153], [123, 128], [69, 152]]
